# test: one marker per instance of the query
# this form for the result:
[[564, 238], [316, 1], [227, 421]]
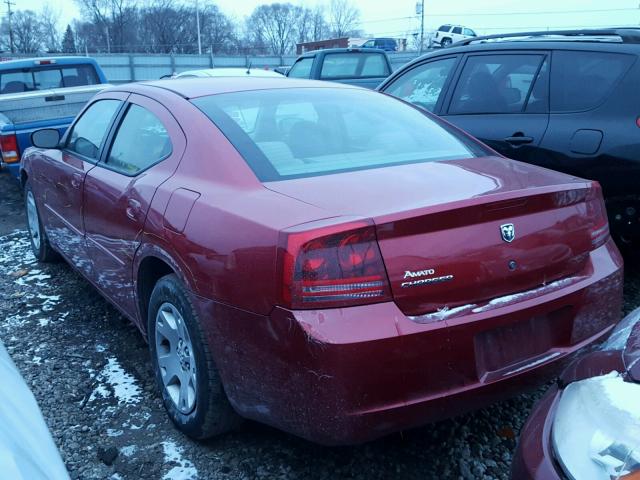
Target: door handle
[[518, 139], [133, 208], [76, 180]]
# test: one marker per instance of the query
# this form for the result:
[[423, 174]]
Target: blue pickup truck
[[363, 67], [40, 93]]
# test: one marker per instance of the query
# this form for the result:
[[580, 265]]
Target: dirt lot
[[90, 372]]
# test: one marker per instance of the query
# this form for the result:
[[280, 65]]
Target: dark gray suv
[[565, 100]]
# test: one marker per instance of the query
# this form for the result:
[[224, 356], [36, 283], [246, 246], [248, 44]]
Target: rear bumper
[[350, 375], [12, 168]]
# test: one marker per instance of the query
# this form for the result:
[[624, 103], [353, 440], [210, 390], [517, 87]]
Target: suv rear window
[[582, 80], [444, 28], [304, 132], [44, 78]]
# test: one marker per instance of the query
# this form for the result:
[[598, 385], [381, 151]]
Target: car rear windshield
[[304, 132], [44, 78]]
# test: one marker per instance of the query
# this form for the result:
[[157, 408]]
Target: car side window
[[457, 30], [89, 132], [141, 141], [369, 44], [581, 80], [423, 84], [494, 84], [469, 32], [302, 68]]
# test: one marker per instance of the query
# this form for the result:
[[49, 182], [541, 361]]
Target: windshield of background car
[[304, 132]]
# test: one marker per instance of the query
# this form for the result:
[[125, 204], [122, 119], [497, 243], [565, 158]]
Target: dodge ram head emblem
[[508, 232]]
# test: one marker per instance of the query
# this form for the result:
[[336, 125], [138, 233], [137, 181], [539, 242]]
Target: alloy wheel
[[175, 356], [32, 219]]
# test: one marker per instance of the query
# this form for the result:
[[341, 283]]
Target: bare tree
[[50, 18], [311, 25], [275, 26], [27, 31], [343, 17]]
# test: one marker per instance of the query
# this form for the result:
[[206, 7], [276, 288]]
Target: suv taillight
[[334, 266], [598, 212], [9, 148]]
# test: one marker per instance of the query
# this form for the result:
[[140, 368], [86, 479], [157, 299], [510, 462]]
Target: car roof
[[231, 72], [31, 62], [202, 87], [343, 50]]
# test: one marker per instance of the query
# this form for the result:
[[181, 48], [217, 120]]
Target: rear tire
[[39, 242], [186, 375]]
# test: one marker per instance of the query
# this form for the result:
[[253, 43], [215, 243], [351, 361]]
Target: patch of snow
[[441, 314], [184, 469], [113, 378], [516, 297], [533, 364], [124, 384], [128, 450], [112, 432], [100, 348], [43, 322]]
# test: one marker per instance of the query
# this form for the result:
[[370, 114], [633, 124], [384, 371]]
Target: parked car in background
[[386, 44], [229, 72], [363, 67], [41, 93], [321, 258], [449, 34], [588, 426], [27, 451], [555, 99]]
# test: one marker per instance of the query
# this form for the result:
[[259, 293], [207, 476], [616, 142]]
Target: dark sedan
[[322, 258]]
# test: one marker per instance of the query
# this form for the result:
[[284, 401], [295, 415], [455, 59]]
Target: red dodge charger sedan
[[321, 258]]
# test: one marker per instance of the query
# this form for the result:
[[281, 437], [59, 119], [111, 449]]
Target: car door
[[62, 174], [502, 99], [456, 34], [143, 151], [424, 84]]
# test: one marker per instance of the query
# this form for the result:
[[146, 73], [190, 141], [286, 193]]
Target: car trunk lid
[[463, 233]]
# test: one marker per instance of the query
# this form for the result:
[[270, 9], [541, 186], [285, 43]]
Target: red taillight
[[9, 148], [598, 212], [333, 266]]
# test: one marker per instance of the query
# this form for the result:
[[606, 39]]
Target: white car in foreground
[[27, 451]]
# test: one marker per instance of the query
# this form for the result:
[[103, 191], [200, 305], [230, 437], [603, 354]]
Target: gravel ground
[[90, 372]]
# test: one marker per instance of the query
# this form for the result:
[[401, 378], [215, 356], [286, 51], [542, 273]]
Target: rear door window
[[423, 84], [302, 68], [495, 84], [582, 80], [457, 30], [141, 142]]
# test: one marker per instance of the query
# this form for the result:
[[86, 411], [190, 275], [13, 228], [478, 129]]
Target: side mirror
[[46, 138]]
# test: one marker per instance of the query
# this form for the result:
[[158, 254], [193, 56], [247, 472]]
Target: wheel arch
[[151, 264]]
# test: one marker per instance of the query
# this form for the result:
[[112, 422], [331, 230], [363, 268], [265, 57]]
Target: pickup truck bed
[[23, 112]]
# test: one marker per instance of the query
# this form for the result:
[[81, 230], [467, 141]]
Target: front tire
[[39, 242], [445, 42], [186, 375]]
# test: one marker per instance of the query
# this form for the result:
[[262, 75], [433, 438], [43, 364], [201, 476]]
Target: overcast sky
[[395, 18]]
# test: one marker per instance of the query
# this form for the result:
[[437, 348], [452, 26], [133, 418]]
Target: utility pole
[[10, 13], [421, 24], [198, 27]]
